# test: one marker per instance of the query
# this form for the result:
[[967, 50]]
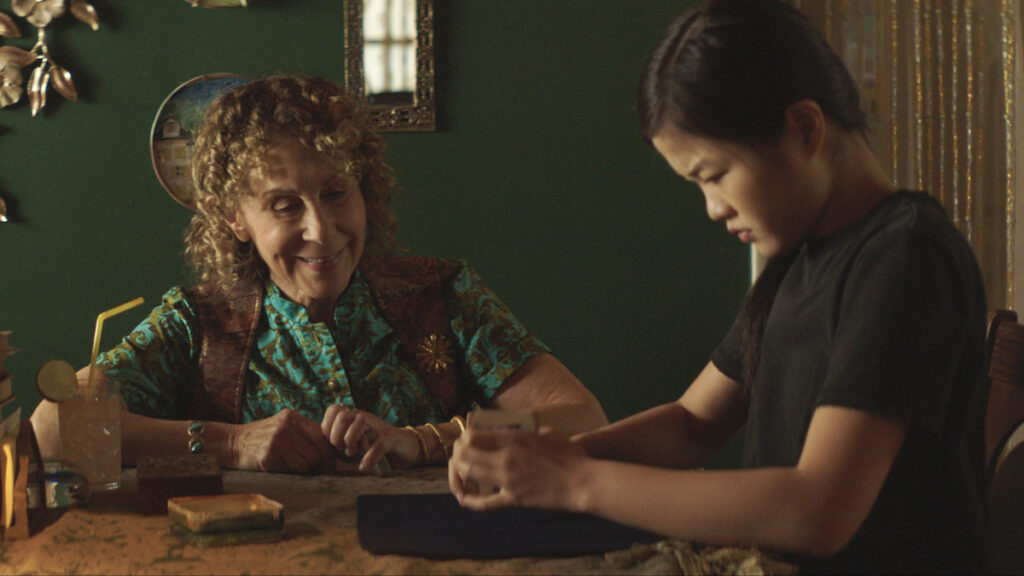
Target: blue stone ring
[[195, 436]]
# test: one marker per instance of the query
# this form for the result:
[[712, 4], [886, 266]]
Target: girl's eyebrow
[[695, 169]]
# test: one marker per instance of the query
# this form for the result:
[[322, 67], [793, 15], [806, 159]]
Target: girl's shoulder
[[905, 231], [910, 211], [902, 216]]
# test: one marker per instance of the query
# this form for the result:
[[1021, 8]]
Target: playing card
[[481, 419], [525, 420]]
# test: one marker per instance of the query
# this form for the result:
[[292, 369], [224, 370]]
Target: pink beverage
[[90, 436]]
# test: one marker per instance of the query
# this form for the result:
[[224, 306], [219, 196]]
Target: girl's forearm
[[771, 508], [665, 436]]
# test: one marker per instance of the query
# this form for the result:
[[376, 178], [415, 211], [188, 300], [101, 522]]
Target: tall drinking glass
[[90, 421], [90, 434]]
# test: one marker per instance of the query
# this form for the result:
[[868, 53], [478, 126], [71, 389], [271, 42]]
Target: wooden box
[[164, 477]]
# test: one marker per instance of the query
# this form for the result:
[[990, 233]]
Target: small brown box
[[163, 477]]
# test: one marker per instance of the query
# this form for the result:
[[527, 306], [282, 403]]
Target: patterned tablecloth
[[110, 536]]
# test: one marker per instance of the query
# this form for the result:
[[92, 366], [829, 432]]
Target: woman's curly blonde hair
[[235, 134]]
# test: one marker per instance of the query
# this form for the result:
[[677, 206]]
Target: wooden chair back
[[1004, 441], [1006, 380]]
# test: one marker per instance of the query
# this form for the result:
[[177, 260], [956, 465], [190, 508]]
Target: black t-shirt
[[886, 316]]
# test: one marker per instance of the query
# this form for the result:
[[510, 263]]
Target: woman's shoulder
[[458, 276], [185, 304], [402, 269], [177, 301], [409, 261], [172, 317], [451, 269]]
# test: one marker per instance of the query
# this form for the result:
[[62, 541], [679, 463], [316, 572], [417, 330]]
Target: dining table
[[110, 534]]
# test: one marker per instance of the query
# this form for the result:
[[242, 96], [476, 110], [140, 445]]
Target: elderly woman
[[307, 340]]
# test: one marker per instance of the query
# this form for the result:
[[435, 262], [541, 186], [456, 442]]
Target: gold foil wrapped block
[[226, 513]]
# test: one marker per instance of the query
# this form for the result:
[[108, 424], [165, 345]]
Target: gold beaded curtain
[[940, 81]]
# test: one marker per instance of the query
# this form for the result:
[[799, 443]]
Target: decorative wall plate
[[173, 128]]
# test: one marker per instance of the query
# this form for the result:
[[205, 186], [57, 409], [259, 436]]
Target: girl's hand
[[285, 442], [532, 470], [343, 427]]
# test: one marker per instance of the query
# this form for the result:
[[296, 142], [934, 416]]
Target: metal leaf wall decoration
[[47, 73]]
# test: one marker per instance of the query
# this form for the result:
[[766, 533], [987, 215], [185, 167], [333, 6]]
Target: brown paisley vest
[[408, 289]]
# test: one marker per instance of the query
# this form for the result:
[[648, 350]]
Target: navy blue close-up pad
[[435, 526]]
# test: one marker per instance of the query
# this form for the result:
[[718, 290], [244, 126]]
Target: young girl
[[855, 365]]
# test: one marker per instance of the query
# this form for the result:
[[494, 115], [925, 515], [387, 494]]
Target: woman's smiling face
[[307, 219]]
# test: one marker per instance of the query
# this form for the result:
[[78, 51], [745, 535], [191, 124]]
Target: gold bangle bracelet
[[458, 420], [421, 439], [444, 447]]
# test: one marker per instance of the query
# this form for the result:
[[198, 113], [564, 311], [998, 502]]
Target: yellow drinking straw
[[99, 330]]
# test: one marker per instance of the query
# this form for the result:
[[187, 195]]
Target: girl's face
[[307, 219], [771, 196]]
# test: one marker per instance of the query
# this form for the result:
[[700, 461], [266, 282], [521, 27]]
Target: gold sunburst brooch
[[434, 353]]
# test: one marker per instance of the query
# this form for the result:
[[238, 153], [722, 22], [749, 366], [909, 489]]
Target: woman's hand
[[344, 427], [285, 442], [532, 470]]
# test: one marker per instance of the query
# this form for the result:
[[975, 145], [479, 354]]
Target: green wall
[[537, 176]]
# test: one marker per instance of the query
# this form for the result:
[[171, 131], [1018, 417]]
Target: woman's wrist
[[422, 449], [450, 431], [436, 440], [436, 450], [220, 439]]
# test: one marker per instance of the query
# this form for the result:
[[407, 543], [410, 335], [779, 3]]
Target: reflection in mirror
[[390, 60], [389, 51]]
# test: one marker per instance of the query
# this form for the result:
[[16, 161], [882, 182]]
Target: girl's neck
[[858, 185]]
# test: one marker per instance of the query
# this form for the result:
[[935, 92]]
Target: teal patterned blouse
[[307, 366]]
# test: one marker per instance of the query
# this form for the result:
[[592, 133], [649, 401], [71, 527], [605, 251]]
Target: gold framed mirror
[[389, 53]]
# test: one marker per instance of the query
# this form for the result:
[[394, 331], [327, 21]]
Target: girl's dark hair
[[728, 70]]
